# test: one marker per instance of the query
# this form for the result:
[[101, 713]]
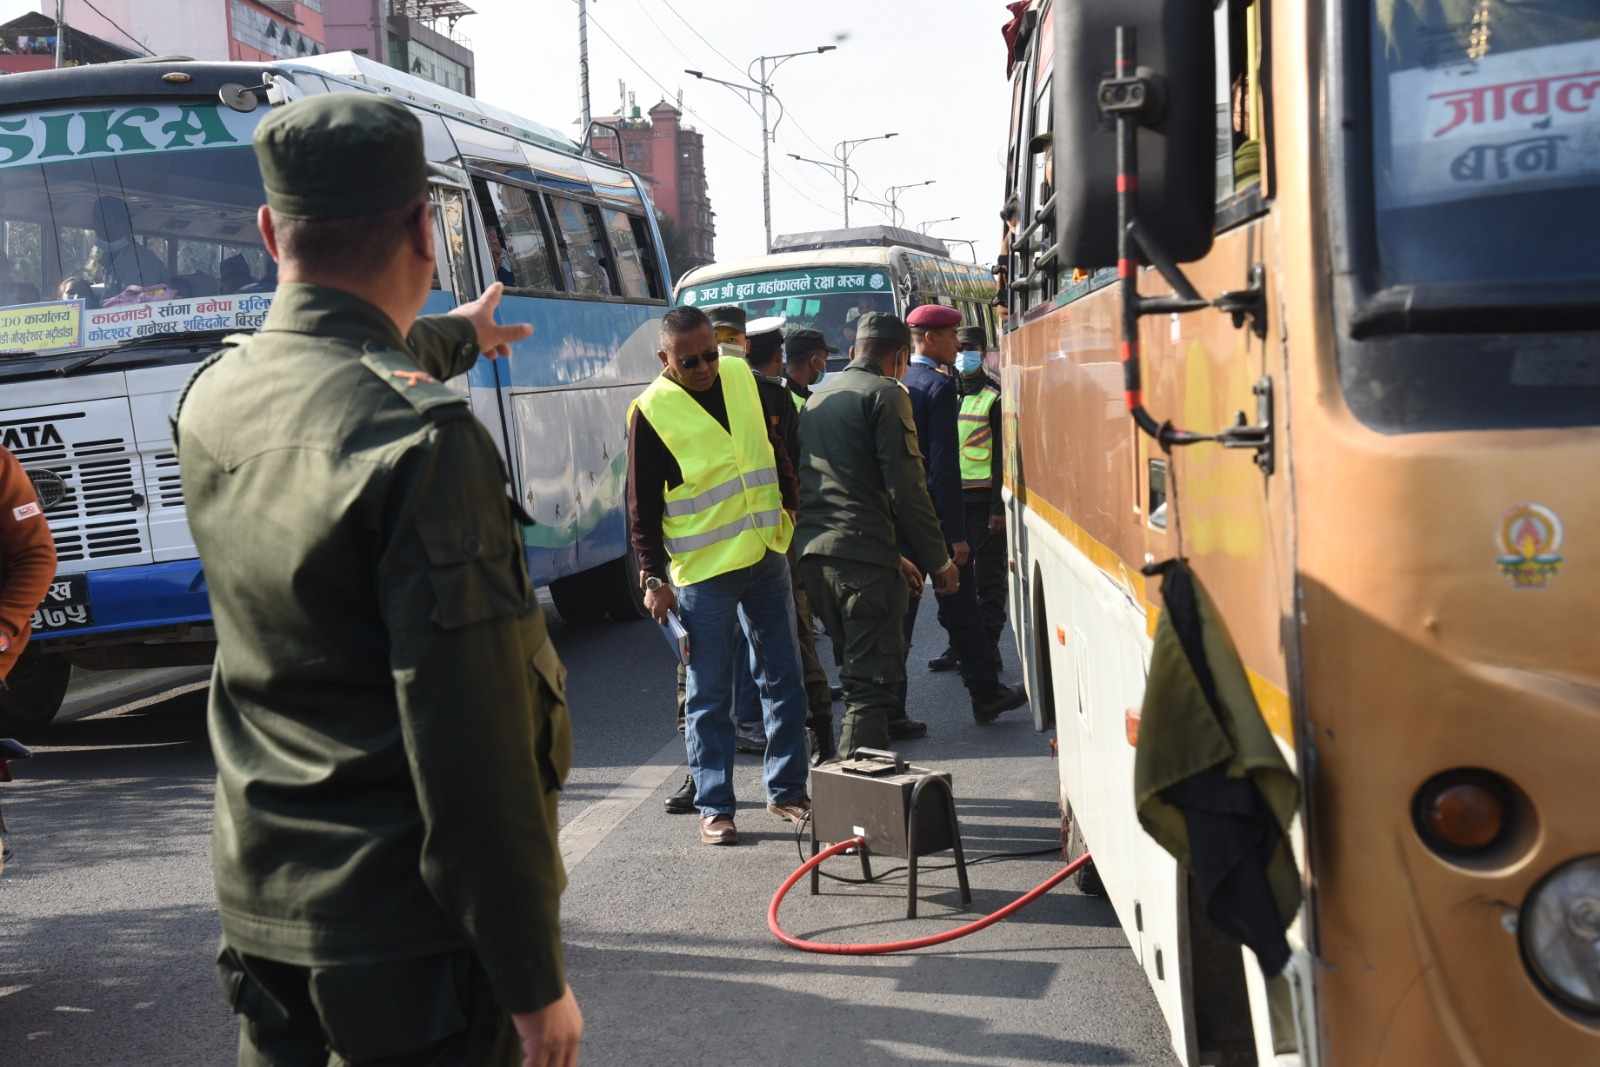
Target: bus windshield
[[827, 299], [121, 223], [1486, 140]]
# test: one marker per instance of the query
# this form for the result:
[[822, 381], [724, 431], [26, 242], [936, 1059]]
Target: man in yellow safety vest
[[711, 501]]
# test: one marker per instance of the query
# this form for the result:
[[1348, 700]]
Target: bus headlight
[[1560, 932]]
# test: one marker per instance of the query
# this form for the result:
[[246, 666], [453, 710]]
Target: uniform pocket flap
[[475, 578]]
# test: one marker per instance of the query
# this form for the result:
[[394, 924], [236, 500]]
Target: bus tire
[[33, 692], [1087, 879], [617, 588], [575, 599]]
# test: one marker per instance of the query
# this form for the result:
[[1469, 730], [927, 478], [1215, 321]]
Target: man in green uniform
[[387, 712], [979, 439], [863, 492]]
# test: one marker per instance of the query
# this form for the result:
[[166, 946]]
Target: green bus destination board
[[824, 281]]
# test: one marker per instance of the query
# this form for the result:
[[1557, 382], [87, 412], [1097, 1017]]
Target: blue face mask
[[969, 362]]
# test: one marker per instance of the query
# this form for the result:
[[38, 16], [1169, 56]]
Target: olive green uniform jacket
[[387, 711], [863, 490]]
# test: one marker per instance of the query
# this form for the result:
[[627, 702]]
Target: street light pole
[[877, 204], [841, 152], [894, 198], [762, 86], [925, 223], [61, 35], [843, 172]]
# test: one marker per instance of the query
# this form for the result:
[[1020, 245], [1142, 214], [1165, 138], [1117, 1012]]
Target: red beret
[[933, 317]]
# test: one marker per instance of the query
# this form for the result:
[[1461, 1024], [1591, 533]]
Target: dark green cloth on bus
[[1210, 783], [344, 155], [387, 711]]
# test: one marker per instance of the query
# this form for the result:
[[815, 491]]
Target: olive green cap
[[340, 156], [880, 326]]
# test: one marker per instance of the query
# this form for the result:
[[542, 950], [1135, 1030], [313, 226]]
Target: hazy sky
[[932, 71]]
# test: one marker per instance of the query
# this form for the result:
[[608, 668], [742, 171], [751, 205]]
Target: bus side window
[[1239, 99], [450, 242], [583, 247], [1041, 184], [519, 249], [635, 269]]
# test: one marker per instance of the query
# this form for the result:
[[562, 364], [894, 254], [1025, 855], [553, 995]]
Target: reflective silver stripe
[[693, 542], [718, 493]]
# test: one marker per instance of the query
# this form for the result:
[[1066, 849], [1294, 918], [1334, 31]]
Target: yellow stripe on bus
[[1272, 700]]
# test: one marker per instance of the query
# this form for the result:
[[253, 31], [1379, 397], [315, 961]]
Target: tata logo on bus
[[1529, 540], [30, 435], [92, 132]]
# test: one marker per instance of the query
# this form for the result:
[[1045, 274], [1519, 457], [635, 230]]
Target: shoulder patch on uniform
[[26, 511], [419, 388]]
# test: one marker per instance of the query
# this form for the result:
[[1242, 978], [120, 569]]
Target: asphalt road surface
[[108, 930]]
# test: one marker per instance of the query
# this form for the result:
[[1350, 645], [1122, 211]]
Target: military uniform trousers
[[958, 614], [863, 606], [429, 1011], [989, 555], [819, 691]]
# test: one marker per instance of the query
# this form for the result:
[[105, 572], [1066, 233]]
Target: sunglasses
[[691, 362]]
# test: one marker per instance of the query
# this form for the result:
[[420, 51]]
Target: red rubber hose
[[899, 946]]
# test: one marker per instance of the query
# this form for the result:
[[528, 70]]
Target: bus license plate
[[65, 607]]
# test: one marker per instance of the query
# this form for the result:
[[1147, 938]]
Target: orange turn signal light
[[1463, 812]]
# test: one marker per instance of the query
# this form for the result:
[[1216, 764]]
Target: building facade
[[199, 29], [28, 42], [671, 157], [405, 35]]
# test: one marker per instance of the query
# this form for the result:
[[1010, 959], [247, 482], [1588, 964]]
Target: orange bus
[[1307, 294]]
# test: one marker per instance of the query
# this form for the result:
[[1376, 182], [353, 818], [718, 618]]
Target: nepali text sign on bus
[[824, 281]]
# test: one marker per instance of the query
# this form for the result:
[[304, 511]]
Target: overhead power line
[[119, 28], [801, 193], [704, 40]]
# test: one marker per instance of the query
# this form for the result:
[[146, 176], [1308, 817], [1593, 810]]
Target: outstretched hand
[[494, 339]]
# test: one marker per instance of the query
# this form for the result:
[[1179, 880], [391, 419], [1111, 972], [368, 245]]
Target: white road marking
[[590, 826]]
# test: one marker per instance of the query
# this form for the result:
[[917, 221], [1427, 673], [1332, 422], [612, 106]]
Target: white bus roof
[[822, 257], [350, 67]]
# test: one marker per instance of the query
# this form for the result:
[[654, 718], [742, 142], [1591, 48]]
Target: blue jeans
[[758, 598], [747, 712]]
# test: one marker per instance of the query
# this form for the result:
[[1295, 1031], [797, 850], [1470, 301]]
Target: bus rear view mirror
[[1177, 126]]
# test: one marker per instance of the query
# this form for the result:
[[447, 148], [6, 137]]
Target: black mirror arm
[[1130, 99]]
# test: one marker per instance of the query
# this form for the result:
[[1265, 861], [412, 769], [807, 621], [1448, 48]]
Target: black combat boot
[[681, 802]]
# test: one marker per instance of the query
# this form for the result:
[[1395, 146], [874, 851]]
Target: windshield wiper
[[191, 341]]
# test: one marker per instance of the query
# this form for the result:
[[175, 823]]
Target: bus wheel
[[33, 692], [616, 587], [1087, 879], [575, 599]]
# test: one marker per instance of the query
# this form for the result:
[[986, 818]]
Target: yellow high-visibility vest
[[728, 512], [977, 439]]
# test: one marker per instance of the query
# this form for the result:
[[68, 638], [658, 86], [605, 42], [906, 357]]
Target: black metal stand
[[955, 843], [912, 852]]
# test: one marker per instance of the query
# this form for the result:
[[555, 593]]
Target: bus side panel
[[567, 391]]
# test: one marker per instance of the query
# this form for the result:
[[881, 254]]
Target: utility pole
[[583, 64], [762, 87], [61, 33], [841, 152]]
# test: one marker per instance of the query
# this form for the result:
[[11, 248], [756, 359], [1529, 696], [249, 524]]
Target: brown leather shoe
[[718, 830], [794, 811]]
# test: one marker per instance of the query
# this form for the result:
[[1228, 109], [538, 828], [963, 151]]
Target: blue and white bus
[[128, 195]]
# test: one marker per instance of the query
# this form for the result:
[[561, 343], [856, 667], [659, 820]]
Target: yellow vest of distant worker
[[977, 439], [728, 513]]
